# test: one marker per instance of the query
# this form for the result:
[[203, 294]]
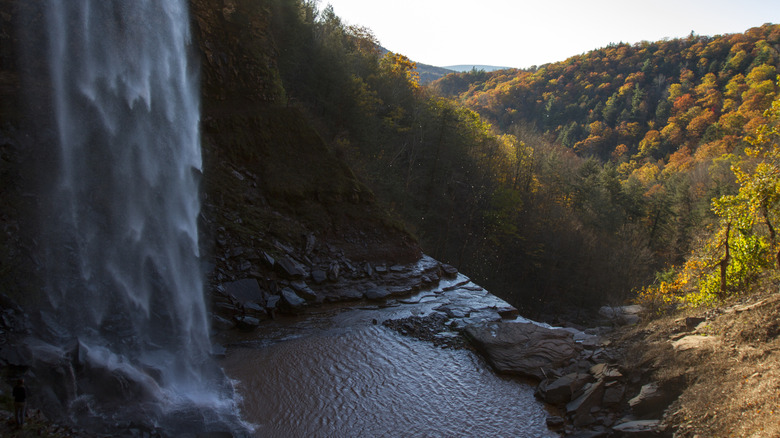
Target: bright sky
[[521, 33]]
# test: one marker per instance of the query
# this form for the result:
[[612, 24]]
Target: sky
[[521, 33]]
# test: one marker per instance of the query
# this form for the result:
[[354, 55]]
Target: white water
[[123, 263]]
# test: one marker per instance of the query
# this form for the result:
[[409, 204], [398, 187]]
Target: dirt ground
[[723, 362]]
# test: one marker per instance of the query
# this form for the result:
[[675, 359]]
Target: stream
[[338, 371]]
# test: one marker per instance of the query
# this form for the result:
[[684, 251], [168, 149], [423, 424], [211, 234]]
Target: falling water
[[124, 275]]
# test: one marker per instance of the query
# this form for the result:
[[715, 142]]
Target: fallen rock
[[638, 429], [650, 400], [246, 322], [555, 422], [559, 391], [304, 291], [449, 271], [580, 407], [292, 300], [523, 349], [622, 315], [290, 268], [693, 342], [377, 293]]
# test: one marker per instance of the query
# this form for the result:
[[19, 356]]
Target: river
[[338, 372]]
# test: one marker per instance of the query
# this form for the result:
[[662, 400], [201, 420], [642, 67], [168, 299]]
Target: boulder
[[621, 315], [523, 349], [245, 290]]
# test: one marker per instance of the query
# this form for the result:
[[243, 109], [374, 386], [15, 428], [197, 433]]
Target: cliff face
[[269, 180], [268, 175]]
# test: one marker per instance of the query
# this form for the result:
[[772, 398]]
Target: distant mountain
[[469, 67], [429, 73]]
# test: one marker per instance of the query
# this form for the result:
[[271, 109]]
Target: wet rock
[[254, 309], [304, 291], [244, 290], [377, 293], [449, 271], [272, 303], [523, 349], [559, 391], [221, 323], [638, 429], [246, 322], [292, 300], [555, 422]]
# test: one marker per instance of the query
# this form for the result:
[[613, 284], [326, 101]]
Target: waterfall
[[122, 259]]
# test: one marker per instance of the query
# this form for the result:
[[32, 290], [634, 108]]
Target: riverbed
[[338, 372]]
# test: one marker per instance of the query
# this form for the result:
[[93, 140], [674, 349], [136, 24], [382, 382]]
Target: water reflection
[[322, 377]]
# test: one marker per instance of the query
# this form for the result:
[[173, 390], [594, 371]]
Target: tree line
[[575, 182]]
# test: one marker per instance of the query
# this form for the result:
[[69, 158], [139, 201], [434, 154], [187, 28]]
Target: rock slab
[[523, 349]]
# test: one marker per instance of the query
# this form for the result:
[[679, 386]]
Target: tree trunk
[[724, 264]]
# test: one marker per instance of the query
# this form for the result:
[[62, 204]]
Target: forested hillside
[[574, 183], [660, 125]]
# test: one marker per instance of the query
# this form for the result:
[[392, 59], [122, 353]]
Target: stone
[[622, 315], [651, 399], [523, 349], [319, 276], [244, 290], [221, 323], [377, 293], [559, 391], [304, 291], [613, 394], [293, 301], [272, 302], [246, 322], [590, 397], [695, 342], [640, 428], [508, 312], [692, 321], [605, 371], [555, 422], [449, 271], [333, 271], [268, 259], [254, 309], [290, 268]]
